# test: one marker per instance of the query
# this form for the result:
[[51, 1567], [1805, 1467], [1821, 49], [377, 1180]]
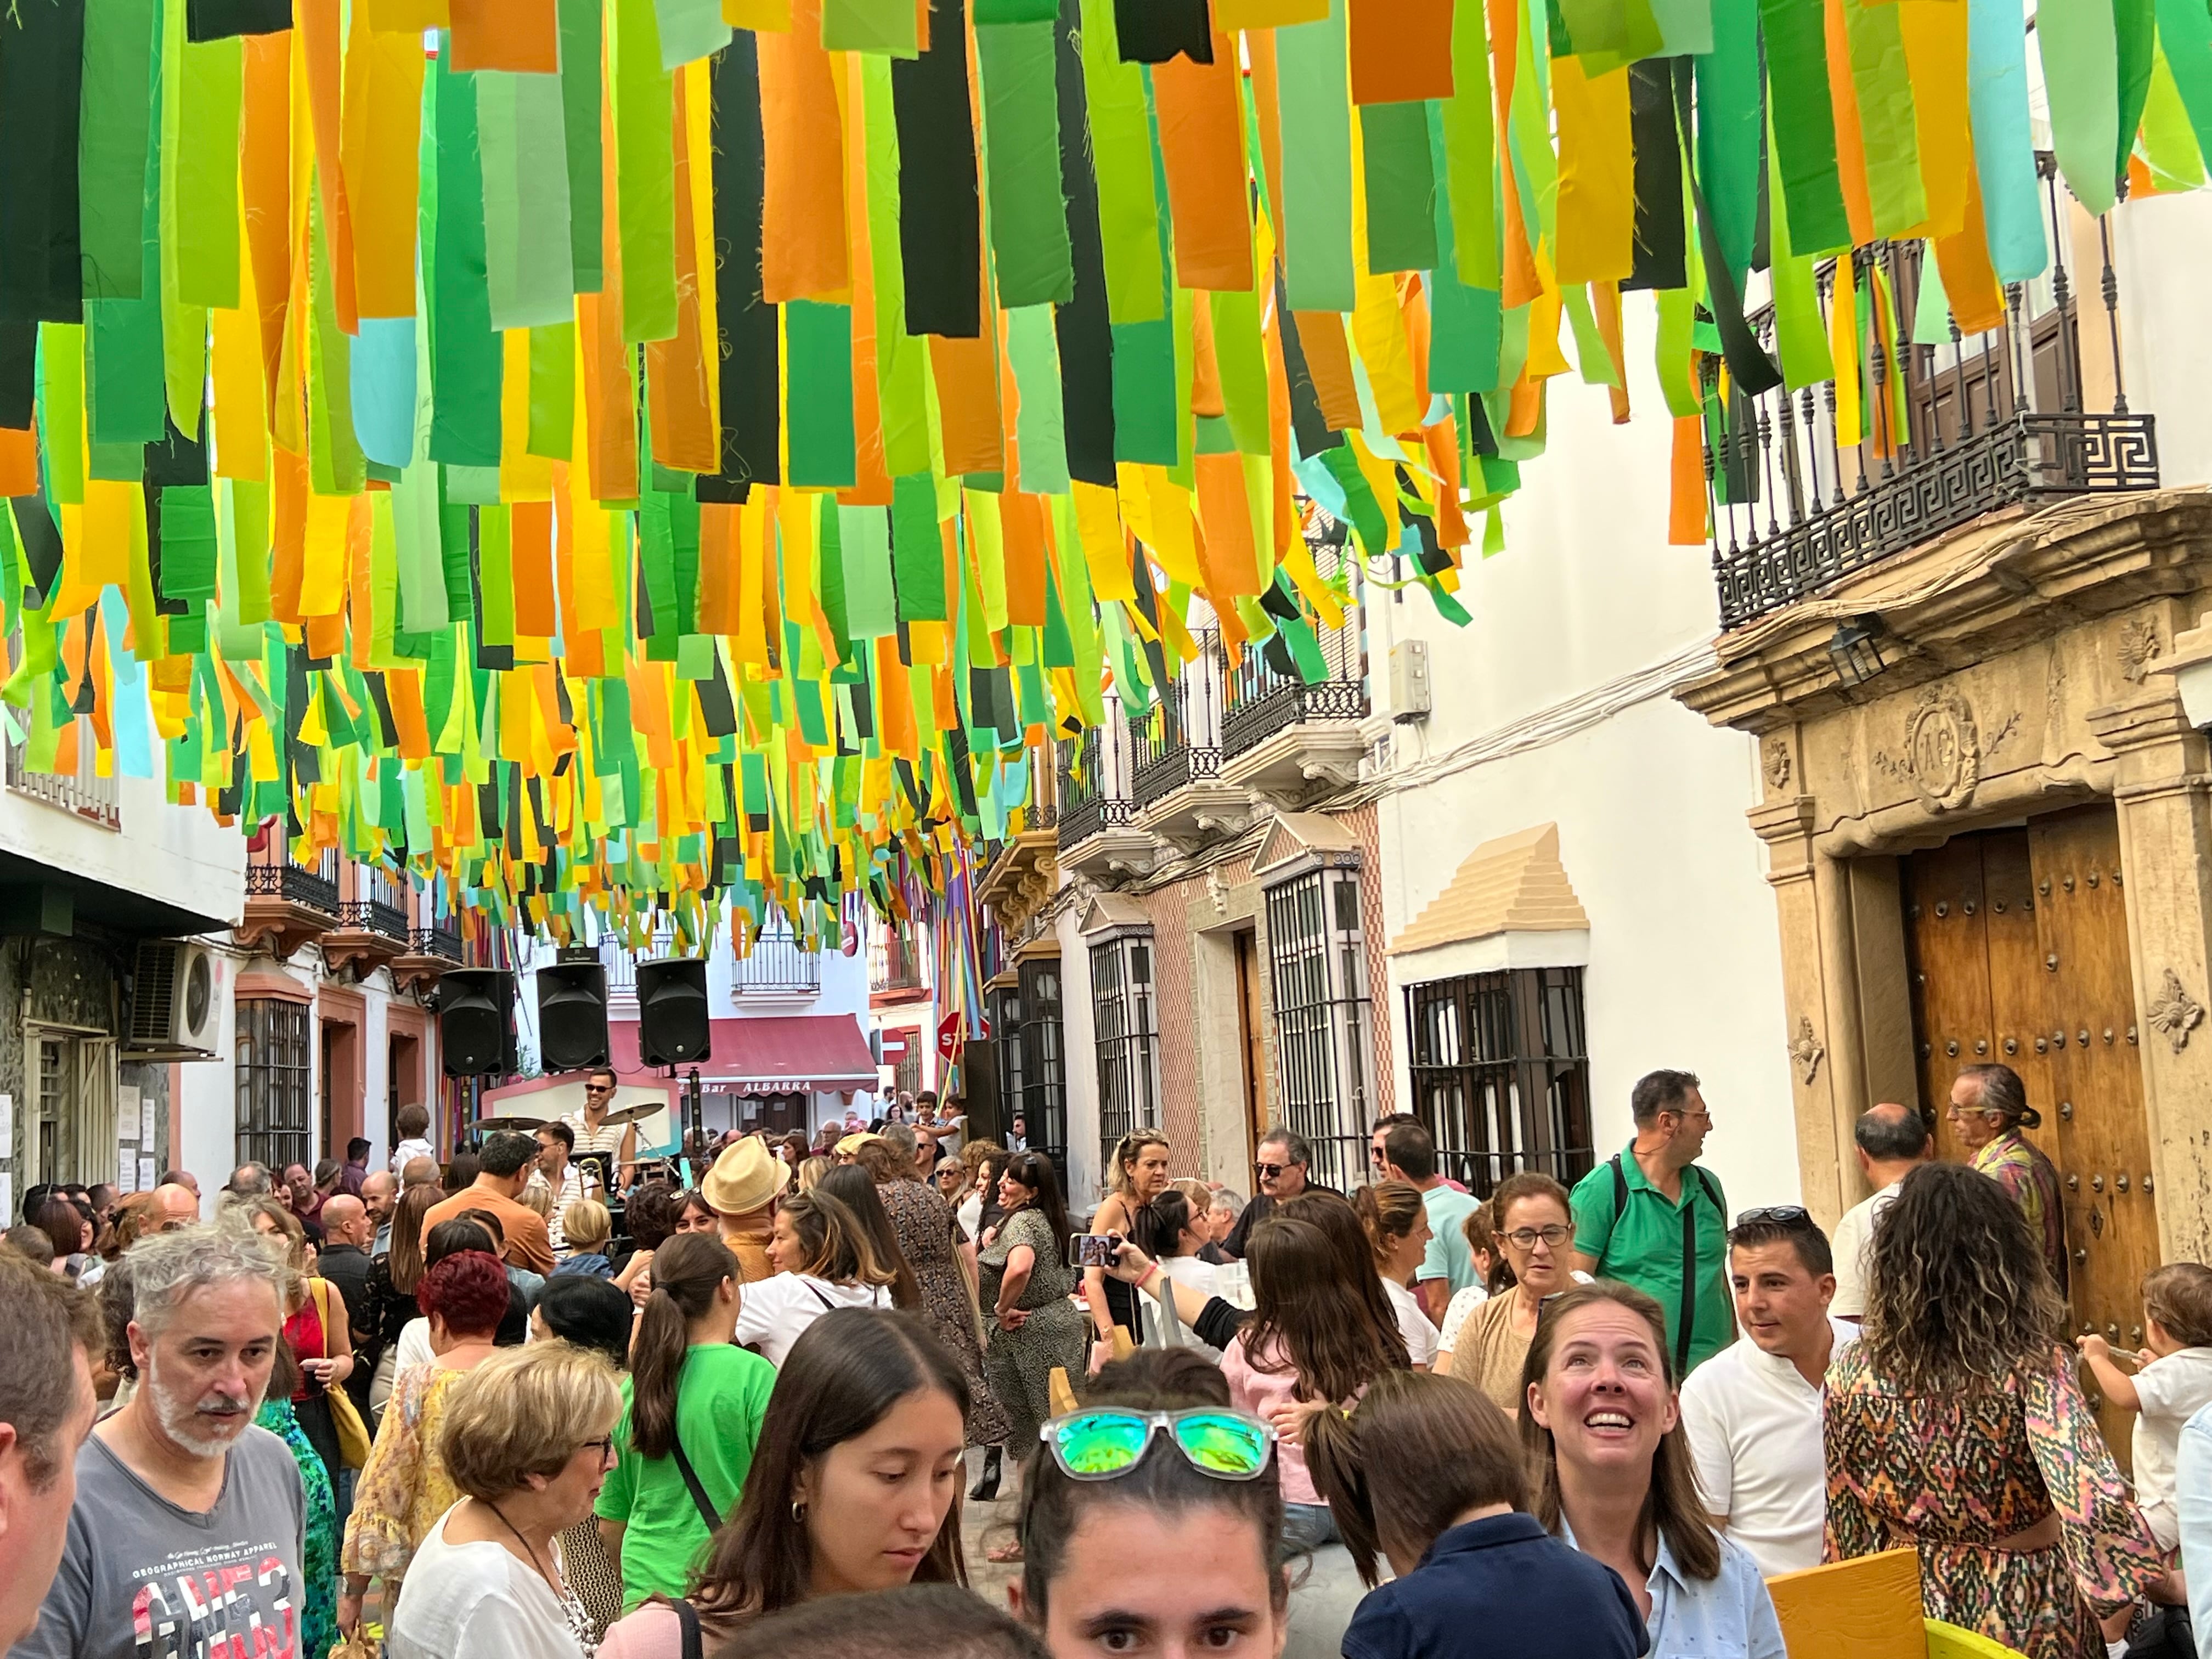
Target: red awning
[[774, 1054]]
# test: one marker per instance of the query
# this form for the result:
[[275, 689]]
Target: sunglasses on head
[[1101, 1443]]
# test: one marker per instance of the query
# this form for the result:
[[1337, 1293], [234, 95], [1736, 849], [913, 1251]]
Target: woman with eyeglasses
[[1150, 1521], [855, 1487], [1535, 1228], [692, 1419], [1956, 1425], [1491, 1274], [1601, 1428], [528, 1438]]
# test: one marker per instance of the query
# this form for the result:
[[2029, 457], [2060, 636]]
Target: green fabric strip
[[1470, 165], [818, 339], [527, 240], [879, 25], [1240, 355], [2184, 31], [1122, 159], [1316, 100], [1799, 340], [917, 550], [579, 139], [901, 361], [552, 392], [1885, 93], [688, 29], [214, 86], [2135, 29], [2080, 41], [1802, 121], [645, 174], [465, 355], [114, 150], [2170, 143], [1729, 122], [1401, 229], [1034, 351], [1021, 143]]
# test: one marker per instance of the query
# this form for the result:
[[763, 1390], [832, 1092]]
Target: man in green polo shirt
[[1650, 1216]]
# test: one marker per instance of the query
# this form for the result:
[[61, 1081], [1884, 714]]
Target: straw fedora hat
[[746, 1176], [852, 1144]]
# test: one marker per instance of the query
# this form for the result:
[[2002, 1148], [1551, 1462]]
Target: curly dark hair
[[1958, 1295]]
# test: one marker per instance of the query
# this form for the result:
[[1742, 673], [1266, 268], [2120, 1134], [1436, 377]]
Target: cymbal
[[639, 1113], [498, 1125]]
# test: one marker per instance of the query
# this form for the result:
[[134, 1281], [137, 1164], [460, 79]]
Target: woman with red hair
[[403, 1488]]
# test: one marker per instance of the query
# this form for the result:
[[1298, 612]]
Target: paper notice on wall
[[7, 1131], [126, 1169], [7, 1195], [134, 1114], [145, 1175]]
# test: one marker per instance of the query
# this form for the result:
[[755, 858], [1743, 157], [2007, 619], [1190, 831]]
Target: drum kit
[[521, 1125]]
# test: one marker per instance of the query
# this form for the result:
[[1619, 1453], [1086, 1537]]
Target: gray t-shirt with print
[[141, 1578]]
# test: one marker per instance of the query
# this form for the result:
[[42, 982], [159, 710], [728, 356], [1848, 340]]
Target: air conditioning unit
[[173, 1014]]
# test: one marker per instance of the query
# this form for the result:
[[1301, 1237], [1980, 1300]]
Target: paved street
[[1326, 1590]]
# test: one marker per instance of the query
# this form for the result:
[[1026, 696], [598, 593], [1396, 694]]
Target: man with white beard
[[187, 1535]]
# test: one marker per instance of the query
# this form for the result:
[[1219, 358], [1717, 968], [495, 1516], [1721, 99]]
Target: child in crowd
[[2173, 1381], [413, 1122], [1426, 1472]]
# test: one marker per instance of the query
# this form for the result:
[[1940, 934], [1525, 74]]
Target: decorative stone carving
[[2138, 644], [1778, 763], [1942, 750], [1217, 888], [1807, 1051], [2175, 1013]]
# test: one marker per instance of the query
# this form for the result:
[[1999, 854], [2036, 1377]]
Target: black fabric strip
[[1153, 31], [752, 373], [1755, 370], [41, 75], [19, 375], [218, 19], [1084, 324], [940, 214], [1660, 244]]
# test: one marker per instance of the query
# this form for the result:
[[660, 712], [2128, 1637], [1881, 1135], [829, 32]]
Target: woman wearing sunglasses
[[1535, 1228], [854, 1487], [1155, 1469]]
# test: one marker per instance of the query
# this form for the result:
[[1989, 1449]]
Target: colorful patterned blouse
[[1955, 1473], [2020, 1167], [403, 1488]]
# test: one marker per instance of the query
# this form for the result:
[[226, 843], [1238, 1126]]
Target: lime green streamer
[[1317, 121], [1122, 159], [113, 133], [2080, 77], [645, 174], [214, 86]]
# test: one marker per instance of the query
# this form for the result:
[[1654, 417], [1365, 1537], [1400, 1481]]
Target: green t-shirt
[[1644, 1247], [1448, 1256], [719, 1402]]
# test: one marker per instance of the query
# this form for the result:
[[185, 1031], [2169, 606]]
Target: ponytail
[[1340, 1475], [687, 1271]]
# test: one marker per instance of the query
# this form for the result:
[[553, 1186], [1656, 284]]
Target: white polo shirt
[[1754, 1428], [1853, 1245]]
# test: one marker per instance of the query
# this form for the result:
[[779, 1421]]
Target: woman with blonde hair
[[1397, 1225], [529, 1437], [588, 1229], [1135, 1176], [824, 1259], [812, 1171], [1956, 1426]]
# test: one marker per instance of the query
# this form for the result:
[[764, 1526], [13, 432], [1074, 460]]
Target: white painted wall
[[178, 855], [1586, 620], [2162, 246]]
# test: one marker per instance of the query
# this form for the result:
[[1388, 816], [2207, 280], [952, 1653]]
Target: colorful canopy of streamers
[[643, 454]]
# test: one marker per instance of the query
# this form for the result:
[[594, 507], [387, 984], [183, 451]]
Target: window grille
[[272, 1082], [1500, 1074], [1317, 955]]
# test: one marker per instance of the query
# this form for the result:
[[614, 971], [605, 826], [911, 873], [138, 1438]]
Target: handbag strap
[[687, 1617], [707, 1510]]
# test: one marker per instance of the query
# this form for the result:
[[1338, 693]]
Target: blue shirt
[[1448, 1255], [2192, 1488], [1730, 1614], [1499, 1586]]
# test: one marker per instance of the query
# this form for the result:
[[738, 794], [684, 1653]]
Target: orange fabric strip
[[1850, 146], [684, 434], [265, 189], [1266, 84], [19, 462], [530, 534], [1521, 284], [319, 41], [1328, 359], [1400, 51], [871, 480], [718, 566], [1226, 552], [1202, 143], [610, 371], [1205, 375], [1605, 300], [288, 537], [966, 374], [403, 689], [1022, 519], [1964, 261], [1442, 442], [804, 248], [506, 35], [1686, 506]]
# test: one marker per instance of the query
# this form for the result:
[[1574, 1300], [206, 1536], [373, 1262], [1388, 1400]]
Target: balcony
[[1177, 792], [1025, 869], [1095, 778], [1290, 718], [372, 930], [2013, 417], [429, 951], [285, 905], [778, 967], [85, 794], [898, 969]]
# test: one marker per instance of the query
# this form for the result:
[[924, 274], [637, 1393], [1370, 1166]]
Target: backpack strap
[[687, 1616]]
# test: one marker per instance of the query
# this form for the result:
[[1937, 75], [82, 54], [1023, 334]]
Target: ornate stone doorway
[[2016, 943]]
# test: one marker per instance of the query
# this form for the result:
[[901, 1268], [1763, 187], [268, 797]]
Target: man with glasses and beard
[[1283, 1158], [187, 1534]]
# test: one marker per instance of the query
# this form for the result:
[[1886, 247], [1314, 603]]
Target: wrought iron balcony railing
[[288, 881], [375, 916], [440, 942], [1947, 432], [1096, 771], [1181, 741]]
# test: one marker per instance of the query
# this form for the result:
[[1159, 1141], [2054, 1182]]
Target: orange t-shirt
[[528, 1245]]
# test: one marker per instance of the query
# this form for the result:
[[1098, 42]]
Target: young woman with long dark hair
[[824, 1259], [855, 1485], [855, 1183], [692, 1407], [1023, 1282]]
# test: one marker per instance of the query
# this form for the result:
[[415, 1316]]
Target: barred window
[[272, 1082], [1003, 1005], [1043, 1091], [1127, 1038], [1317, 953], [1500, 1074]]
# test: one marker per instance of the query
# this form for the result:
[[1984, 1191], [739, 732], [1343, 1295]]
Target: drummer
[[595, 1135], [568, 1184]]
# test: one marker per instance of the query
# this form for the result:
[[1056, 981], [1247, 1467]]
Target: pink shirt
[[1258, 1392], [652, 1632]]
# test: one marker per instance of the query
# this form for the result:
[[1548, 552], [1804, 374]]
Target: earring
[[798, 1514]]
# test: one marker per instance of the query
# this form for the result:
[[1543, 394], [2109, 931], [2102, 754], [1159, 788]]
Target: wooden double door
[[2017, 944]]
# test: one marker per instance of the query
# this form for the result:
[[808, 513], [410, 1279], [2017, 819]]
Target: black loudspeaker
[[572, 1015], [673, 1026], [474, 1009]]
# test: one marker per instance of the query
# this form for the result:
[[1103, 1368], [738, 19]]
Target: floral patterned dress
[[924, 1222], [1953, 1474], [319, 1619], [403, 1488]]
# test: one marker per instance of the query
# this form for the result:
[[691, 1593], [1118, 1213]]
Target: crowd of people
[[553, 1399]]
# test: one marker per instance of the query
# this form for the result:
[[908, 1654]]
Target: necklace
[[572, 1608]]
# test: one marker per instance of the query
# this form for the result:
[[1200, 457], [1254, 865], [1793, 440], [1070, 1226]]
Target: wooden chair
[[1869, 1608]]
